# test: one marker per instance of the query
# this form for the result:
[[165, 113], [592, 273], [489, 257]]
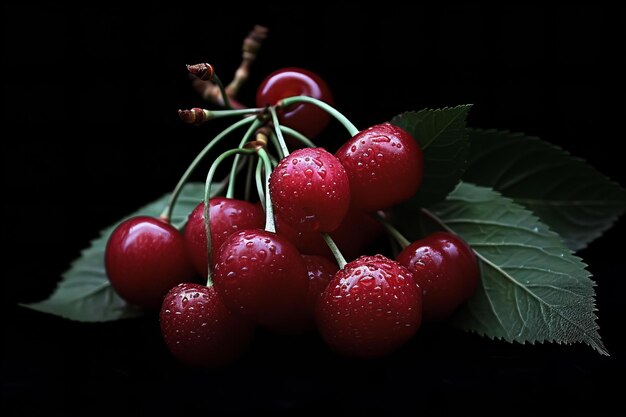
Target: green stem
[[216, 114], [279, 133], [324, 106], [298, 136], [276, 143], [341, 261], [269, 211], [230, 193], [437, 220], [259, 182], [207, 194], [393, 232], [225, 97], [167, 212], [249, 175]]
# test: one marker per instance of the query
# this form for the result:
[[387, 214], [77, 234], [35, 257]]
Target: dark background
[[90, 133]]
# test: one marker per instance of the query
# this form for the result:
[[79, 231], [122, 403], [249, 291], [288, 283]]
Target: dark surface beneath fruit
[[90, 96]]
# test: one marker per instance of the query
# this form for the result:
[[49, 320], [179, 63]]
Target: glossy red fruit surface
[[356, 233], [310, 190], [306, 118], [198, 328], [227, 217], [370, 308], [260, 275], [320, 271], [384, 164], [309, 243], [144, 258], [446, 270]]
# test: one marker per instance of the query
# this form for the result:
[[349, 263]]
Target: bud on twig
[[196, 116], [251, 45], [260, 139], [203, 71]]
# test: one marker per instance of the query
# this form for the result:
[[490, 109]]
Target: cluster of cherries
[[280, 262]]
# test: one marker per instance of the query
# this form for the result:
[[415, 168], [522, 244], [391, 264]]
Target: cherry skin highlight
[[260, 275], [144, 258], [227, 217], [370, 308], [306, 118], [310, 190], [446, 270], [198, 328], [384, 164]]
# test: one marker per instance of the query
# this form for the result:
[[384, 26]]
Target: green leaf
[[442, 136], [574, 199], [532, 288], [84, 292]]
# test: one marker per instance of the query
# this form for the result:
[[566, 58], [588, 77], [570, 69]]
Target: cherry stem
[[279, 133], [270, 226], [230, 193], [341, 261], [351, 128], [198, 116], [260, 188], [276, 143], [249, 49], [225, 97], [445, 227], [249, 175], [207, 195], [298, 136], [393, 232], [166, 215]]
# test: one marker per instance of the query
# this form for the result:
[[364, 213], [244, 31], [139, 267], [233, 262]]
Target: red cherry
[[260, 275], [446, 270], [144, 258], [198, 328], [306, 118], [310, 190], [355, 233], [320, 271], [370, 308], [384, 164], [227, 217], [309, 243]]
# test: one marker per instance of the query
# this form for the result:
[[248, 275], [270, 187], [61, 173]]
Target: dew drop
[[367, 281]]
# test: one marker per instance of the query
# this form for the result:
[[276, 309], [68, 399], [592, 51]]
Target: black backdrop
[[90, 133]]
